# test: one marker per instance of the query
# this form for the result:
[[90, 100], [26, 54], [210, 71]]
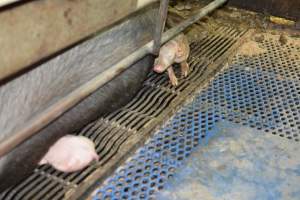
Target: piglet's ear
[[155, 61]]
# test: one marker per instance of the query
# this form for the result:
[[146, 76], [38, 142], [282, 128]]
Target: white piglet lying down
[[70, 153]]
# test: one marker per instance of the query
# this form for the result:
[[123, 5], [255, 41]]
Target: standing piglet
[[174, 51]]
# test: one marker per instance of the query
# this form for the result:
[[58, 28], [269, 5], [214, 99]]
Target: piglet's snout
[[71, 153], [158, 69]]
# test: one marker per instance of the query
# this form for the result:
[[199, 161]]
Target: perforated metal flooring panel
[[239, 162], [117, 134], [259, 90]]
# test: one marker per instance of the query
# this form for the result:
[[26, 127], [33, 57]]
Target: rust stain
[[67, 16], [115, 12]]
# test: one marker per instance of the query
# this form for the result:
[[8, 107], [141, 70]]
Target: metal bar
[[7, 2], [161, 21], [183, 25], [63, 105]]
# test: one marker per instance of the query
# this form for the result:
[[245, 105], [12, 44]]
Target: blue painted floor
[[237, 139], [238, 163]]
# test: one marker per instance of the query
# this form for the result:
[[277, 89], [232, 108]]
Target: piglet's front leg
[[184, 68], [172, 76]]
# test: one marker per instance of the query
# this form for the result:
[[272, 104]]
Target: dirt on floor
[[242, 19], [251, 48], [262, 26]]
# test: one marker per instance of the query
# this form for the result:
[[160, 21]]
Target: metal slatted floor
[[117, 134], [260, 94]]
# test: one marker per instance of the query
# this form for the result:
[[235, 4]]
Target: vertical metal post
[[161, 21]]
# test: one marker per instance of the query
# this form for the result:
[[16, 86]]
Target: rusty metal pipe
[[63, 105]]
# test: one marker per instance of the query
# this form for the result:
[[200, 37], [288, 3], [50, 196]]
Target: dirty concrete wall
[[284, 8]]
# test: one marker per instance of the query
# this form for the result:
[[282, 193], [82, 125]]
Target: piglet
[[174, 51], [70, 153]]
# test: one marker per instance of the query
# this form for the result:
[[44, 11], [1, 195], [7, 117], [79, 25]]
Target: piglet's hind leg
[[172, 76], [184, 68]]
